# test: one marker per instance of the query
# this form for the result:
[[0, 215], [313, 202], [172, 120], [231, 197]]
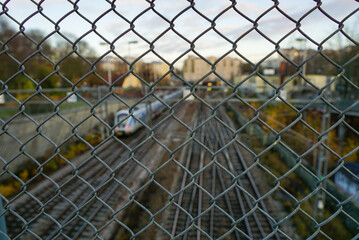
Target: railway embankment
[[38, 135]]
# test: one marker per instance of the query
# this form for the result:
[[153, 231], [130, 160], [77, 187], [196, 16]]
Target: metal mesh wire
[[219, 162]]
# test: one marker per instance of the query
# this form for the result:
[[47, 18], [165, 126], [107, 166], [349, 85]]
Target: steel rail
[[110, 194], [216, 171], [101, 180], [246, 198], [194, 188], [87, 169], [199, 211], [244, 164], [237, 193], [124, 176], [183, 183], [190, 210], [213, 192]]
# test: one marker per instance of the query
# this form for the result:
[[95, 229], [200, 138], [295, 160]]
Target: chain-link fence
[[179, 119]]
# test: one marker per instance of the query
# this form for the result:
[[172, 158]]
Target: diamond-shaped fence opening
[[179, 120]]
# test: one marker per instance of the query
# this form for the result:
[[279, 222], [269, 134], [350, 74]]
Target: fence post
[[322, 163], [3, 230]]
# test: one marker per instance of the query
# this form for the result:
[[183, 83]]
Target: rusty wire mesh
[[25, 220]]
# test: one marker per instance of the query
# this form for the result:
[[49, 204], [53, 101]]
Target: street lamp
[[129, 47], [99, 92], [144, 90]]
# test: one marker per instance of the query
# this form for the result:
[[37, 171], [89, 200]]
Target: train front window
[[120, 119]]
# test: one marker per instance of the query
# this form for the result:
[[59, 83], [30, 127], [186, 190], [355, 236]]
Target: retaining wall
[[24, 139]]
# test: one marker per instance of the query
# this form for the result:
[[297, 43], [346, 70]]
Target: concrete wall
[[24, 139]]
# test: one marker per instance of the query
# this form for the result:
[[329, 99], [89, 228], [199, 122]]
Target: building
[[258, 85], [195, 68], [131, 81], [159, 69], [156, 70], [149, 72]]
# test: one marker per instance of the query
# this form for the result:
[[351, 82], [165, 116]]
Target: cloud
[[190, 24], [125, 3]]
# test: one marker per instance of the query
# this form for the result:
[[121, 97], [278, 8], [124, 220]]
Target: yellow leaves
[[12, 186], [348, 146], [24, 175], [8, 189], [60, 161]]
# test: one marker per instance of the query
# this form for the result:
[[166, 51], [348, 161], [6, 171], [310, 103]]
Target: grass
[[66, 106], [8, 112]]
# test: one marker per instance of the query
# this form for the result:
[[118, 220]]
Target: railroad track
[[80, 200], [75, 193], [217, 196]]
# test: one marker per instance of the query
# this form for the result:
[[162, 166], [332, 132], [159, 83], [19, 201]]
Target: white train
[[126, 125], [347, 179]]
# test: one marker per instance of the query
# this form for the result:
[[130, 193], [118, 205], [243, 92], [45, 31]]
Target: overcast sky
[[189, 24]]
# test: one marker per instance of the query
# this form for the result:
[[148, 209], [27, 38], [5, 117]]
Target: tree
[[23, 64]]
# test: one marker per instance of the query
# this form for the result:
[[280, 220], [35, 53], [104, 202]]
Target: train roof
[[126, 111], [353, 167], [123, 111], [142, 106]]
